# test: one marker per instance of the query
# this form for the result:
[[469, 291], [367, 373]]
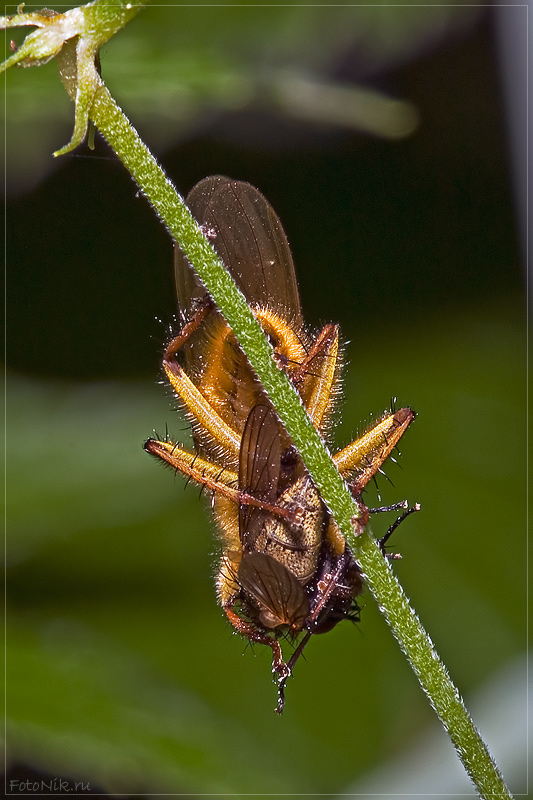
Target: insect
[[285, 568]]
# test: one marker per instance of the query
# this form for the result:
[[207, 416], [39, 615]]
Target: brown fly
[[285, 568]]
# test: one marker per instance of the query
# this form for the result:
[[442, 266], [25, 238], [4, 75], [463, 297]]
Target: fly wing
[[259, 469], [275, 590], [188, 284], [248, 236]]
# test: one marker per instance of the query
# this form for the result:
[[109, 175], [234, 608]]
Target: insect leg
[[290, 665], [204, 309], [322, 363], [384, 539], [203, 412], [211, 476], [255, 635], [366, 454]]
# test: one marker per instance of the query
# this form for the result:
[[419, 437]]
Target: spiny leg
[[384, 539], [205, 307], [290, 665], [325, 350], [367, 453], [252, 633], [200, 408], [220, 481], [365, 456]]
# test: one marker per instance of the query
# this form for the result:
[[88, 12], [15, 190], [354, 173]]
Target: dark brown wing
[[249, 238], [259, 469], [275, 590]]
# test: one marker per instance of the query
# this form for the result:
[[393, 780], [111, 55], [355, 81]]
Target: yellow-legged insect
[[285, 567]]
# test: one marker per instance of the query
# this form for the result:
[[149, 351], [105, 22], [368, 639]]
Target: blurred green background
[[122, 671]]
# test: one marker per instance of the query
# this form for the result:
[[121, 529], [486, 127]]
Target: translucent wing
[[280, 597], [249, 238], [259, 469]]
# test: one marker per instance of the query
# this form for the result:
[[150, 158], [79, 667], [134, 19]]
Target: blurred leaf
[[81, 705], [116, 648], [75, 463], [175, 68]]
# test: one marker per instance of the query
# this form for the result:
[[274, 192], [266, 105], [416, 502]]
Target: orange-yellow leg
[[222, 434], [206, 416], [366, 454], [221, 481], [322, 363]]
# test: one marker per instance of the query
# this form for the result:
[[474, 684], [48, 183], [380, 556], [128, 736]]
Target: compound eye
[[289, 459]]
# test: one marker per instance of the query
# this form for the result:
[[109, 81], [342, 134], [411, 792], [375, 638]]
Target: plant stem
[[393, 603]]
